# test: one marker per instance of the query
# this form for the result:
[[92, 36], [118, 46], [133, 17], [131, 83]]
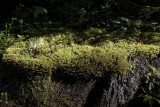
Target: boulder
[[56, 72]]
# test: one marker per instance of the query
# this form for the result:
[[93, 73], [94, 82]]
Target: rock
[[55, 74], [52, 91]]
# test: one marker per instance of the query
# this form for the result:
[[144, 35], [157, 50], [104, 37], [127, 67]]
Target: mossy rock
[[61, 54], [46, 66]]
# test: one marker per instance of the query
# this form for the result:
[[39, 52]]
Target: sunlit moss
[[60, 53]]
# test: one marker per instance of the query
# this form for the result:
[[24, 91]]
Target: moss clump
[[60, 54], [152, 75]]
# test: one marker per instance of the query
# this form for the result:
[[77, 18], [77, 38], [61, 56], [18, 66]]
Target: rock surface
[[49, 91], [56, 72]]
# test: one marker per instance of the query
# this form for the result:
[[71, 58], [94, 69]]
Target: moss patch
[[61, 53]]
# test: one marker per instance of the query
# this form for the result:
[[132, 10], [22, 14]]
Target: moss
[[41, 91], [152, 75], [61, 53], [95, 54]]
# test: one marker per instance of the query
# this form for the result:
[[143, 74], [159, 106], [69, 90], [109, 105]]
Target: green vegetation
[[150, 95], [82, 39], [60, 53], [3, 97]]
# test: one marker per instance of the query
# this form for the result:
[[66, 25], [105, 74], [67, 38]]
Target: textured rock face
[[114, 91], [155, 62], [123, 88]]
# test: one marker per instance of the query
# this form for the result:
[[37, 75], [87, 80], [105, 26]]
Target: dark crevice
[[96, 93]]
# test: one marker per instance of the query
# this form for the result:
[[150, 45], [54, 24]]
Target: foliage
[[21, 24], [125, 24], [4, 99], [8, 37], [8, 40], [150, 86], [39, 10], [150, 95], [147, 13], [82, 13]]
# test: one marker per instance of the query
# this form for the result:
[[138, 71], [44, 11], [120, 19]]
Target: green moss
[[42, 91], [60, 54], [152, 75]]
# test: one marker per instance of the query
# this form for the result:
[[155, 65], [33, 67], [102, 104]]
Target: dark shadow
[[96, 93]]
